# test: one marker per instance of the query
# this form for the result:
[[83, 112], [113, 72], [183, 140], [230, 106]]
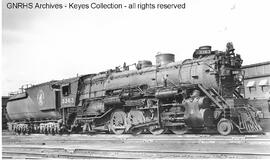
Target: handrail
[[209, 96]]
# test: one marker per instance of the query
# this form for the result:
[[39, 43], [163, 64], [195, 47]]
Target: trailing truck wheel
[[118, 122], [135, 117], [86, 128], [224, 127]]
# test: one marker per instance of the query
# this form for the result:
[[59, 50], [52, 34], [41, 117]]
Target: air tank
[[144, 63], [164, 58]]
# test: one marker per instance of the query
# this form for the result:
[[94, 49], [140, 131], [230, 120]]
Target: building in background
[[257, 88], [257, 81], [4, 111]]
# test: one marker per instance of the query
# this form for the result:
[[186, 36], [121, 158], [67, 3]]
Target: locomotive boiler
[[192, 95]]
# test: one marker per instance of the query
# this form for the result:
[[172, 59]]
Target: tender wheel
[[224, 126], [29, 130], [50, 130], [53, 132], [57, 130], [118, 122], [42, 131], [24, 131], [46, 131], [179, 129], [156, 130], [135, 117], [18, 130]]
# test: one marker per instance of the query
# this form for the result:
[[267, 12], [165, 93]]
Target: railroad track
[[30, 152], [130, 147], [43, 139], [128, 136]]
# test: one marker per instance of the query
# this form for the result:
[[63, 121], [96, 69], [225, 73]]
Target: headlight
[[240, 78]]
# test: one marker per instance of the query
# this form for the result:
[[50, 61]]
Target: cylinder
[[164, 58], [204, 102], [208, 117]]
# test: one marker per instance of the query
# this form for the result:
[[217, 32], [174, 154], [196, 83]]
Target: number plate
[[67, 100]]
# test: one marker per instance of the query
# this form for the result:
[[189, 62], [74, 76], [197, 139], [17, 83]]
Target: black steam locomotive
[[195, 94]]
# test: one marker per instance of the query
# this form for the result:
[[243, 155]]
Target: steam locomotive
[[192, 95]]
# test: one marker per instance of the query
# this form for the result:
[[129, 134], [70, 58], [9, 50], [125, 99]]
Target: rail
[[61, 152]]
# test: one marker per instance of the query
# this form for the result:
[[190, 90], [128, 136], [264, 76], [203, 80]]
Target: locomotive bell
[[164, 58]]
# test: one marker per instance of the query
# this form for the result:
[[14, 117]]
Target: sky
[[44, 45]]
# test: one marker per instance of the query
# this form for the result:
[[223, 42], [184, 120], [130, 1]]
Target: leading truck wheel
[[224, 127], [156, 130], [179, 129], [118, 122]]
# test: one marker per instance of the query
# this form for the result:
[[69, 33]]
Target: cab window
[[66, 90]]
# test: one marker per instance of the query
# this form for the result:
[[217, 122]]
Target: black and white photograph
[[135, 79]]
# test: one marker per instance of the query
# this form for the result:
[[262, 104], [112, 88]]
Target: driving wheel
[[118, 122], [135, 117]]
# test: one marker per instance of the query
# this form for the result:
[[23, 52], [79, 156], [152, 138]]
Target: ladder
[[237, 94], [218, 100]]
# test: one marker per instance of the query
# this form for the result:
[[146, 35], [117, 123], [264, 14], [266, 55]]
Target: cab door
[[57, 99]]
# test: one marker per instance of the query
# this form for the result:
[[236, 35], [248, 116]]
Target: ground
[[141, 146]]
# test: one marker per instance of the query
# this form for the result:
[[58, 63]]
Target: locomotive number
[[67, 100], [205, 51]]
